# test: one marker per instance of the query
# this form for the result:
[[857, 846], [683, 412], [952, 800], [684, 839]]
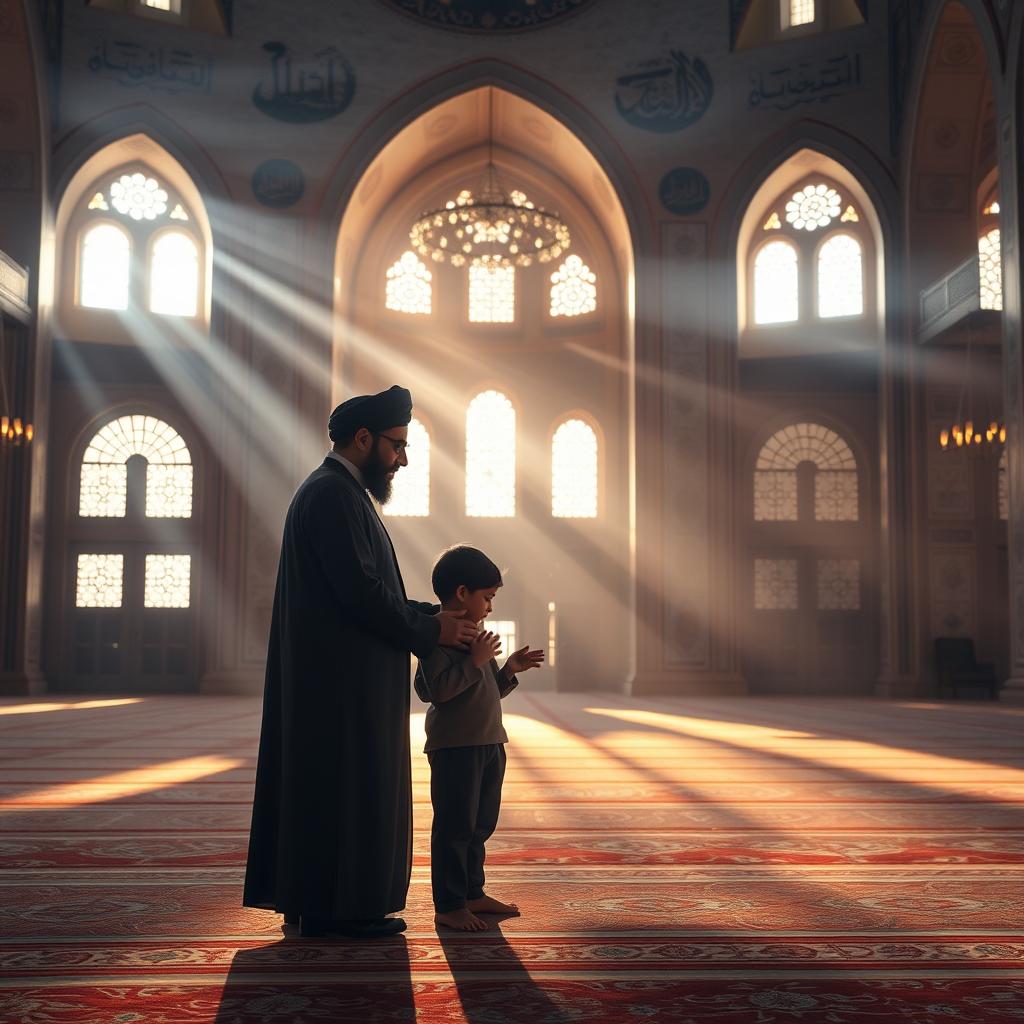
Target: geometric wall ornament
[[497, 17]]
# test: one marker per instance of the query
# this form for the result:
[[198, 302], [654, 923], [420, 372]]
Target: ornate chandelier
[[12, 430], [494, 225]]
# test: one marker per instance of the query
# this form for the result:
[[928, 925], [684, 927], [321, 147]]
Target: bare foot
[[489, 905], [461, 921]]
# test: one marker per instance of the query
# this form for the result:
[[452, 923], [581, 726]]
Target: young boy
[[465, 740]]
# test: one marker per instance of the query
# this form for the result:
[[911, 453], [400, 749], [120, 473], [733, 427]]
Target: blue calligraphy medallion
[[684, 190], [304, 90], [278, 183], [665, 94]]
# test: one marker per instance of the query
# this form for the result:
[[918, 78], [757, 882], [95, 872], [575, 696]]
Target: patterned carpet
[[678, 861]]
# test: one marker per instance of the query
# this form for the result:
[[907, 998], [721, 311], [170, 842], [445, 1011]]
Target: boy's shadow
[[486, 1000], [306, 981]]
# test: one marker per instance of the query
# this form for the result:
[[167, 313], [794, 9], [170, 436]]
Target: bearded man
[[331, 838]]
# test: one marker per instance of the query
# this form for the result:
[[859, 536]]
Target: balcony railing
[[953, 303]]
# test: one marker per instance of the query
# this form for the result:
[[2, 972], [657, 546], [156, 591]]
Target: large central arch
[[424, 152]]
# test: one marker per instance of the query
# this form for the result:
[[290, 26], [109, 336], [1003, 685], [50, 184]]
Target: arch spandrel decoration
[[103, 490], [836, 490]]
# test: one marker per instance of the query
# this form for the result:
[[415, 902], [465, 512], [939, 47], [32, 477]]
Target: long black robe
[[332, 816]]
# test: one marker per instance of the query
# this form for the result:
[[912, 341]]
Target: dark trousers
[[465, 792]]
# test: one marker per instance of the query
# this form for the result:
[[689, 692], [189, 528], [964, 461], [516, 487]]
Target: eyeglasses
[[397, 442]]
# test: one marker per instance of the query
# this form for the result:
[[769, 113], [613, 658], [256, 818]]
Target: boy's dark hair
[[462, 565]]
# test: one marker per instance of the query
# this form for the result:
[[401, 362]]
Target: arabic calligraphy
[[804, 82], [684, 190], [665, 94], [305, 90], [163, 68], [488, 15], [278, 183]]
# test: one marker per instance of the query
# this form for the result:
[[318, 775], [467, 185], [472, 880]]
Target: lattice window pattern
[[838, 584], [573, 289], [138, 196], [836, 495], [168, 581], [775, 496], [1003, 487], [174, 275], [990, 270], [99, 581], [775, 584], [410, 492], [506, 630], [103, 487], [813, 207], [407, 288], [574, 471], [776, 284], [104, 268], [801, 12], [492, 291], [840, 277], [490, 456]]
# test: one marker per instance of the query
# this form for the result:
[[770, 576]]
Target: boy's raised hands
[[487, 645], [523, 660]]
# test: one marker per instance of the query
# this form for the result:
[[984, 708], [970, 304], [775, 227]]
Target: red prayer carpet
[[688, 861]]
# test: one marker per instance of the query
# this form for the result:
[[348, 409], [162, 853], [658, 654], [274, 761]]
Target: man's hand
[[455, 630], [523, 660], [485, 647]]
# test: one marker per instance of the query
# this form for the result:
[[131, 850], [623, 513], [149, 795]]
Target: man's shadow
[[473, 959], [302, 981]]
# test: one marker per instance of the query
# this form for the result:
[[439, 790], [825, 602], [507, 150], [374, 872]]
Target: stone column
[[684, 554]]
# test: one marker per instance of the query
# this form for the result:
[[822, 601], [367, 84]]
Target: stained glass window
[[574, 471], [773, 223], [104, 268], [168, 581], [775, 584], [138, 196], [407, 288], [840, 277], [174, 275], [838, 584], [410, 491], [506, 630], [990, 270], [178, 213], [573, 289], [490, 456], [103, 489], [99, 581], [492, 291], [1003, 487], [813, 207], [801, 12], [835, 484], [776, 284]]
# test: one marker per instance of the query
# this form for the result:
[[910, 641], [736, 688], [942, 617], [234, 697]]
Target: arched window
[[840, 277], [492, 291], [573, 288], [990, 270], [407, 288], [103, 491], [776, 284], [836, 497], [797, 12], [174, 275], [490, 456], [131, 211], [410, 492], [574, 471], [797, 274], [104, 267]]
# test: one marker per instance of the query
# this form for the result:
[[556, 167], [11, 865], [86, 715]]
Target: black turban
[[391, 408]]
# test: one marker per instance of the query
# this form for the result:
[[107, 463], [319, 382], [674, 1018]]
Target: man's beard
[[375, 475]]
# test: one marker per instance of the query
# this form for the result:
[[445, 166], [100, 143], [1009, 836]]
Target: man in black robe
[[331, 838]]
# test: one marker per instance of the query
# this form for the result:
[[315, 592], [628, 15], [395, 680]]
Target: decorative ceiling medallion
[[489, 15]]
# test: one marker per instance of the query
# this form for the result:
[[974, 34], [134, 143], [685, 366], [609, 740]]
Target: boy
[[465, 740]]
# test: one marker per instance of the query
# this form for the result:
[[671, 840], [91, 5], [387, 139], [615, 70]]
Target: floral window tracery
[[408, 286], [573, 288]]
